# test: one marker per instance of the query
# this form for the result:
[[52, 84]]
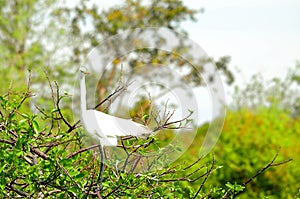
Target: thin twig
[[82, 150], [39, 153], [52, 144], [191, 165], [135, 150], [90, 186], [18, 191], [8, 142], [9, 130], [167, 125], [58, 98], [271, 164], [52, 96], [67, 173], [122, 88], [206, 177], [113, 191], [135, 163]]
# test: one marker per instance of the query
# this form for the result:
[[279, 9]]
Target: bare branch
[[193, 164], [10, 131], [52, 95], [82, 150], [8, 142], [67, 173], [271, 164], [113, 191], [40, 110], [18, 191], [90, 186], [52, 144], [39, 153], [206, 177], [187, 176], [168, 125], [58, 98], [135, 149], [118, 90], [135, 163]]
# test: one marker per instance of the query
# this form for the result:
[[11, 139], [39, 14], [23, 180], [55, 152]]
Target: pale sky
[[260, 35]]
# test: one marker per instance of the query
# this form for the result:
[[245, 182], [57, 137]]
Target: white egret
[[106, 127]]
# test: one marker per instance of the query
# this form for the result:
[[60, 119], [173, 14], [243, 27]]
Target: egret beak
[[84, 71]]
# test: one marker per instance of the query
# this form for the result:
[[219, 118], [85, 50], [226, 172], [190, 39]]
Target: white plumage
[[106, 127]]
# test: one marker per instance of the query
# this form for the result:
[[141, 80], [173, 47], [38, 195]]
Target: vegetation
[[43, 150], [44, 156], [261, 121]]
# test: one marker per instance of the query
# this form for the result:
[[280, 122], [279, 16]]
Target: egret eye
[[84, 70]]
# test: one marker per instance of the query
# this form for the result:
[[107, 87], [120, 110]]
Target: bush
[[44, 156], [249, 141]]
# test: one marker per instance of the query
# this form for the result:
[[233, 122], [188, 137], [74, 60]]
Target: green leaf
[[25, 115], [35, 126], [79, 176], [2, 168], [54, 110], [145, 117], [22, 122]]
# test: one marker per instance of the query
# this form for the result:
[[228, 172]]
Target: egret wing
[[115, 126]]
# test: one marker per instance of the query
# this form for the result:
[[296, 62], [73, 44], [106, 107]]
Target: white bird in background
[[106, 127]]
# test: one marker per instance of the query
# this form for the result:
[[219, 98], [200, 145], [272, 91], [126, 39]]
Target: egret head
[[83, 70]]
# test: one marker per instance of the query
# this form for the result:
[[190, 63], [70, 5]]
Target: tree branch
[[271, 164], [82, 150]]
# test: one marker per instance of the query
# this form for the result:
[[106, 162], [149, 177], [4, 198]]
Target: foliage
[[260, 122], [33, 153], [31, 39], [249, 140], [43, 156]]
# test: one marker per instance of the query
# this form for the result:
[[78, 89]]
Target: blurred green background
[[49, 40]]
